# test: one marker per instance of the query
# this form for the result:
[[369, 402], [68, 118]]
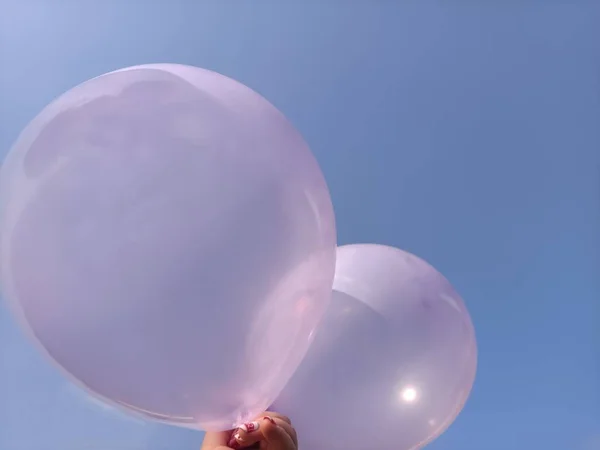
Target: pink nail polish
[[250, 427]]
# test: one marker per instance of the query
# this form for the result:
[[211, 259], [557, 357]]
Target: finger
[[279, 435], [252, 432], [276, 415], [246, 434], [286, 426]]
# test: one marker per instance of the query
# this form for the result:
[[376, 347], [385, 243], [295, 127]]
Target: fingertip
[[269, 428], [275, 415], [276, 435], [278, 432], [269, 419]]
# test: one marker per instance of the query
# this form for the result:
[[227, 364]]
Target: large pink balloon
[[392, 362], [169, 240]]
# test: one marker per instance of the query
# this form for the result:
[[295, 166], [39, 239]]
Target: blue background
[[467, 133]]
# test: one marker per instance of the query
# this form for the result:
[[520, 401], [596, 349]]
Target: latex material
[[392, 362], [168, 239]]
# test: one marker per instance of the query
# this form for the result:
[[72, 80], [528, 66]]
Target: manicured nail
[[270, 419], [250, 427]]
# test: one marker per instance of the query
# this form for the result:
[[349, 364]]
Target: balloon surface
[[392, 362], [168, 239]]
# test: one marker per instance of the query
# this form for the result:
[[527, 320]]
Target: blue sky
[[468, 134]]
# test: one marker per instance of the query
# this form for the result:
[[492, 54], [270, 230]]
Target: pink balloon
[[168, 239], [392, 362]]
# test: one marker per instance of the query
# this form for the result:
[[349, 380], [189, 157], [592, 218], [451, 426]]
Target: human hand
[[270, 431]]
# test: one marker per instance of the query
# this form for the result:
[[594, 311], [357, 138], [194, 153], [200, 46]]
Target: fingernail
[[250, 427], [270, 419]]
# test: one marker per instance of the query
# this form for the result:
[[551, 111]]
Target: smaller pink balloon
[[391, 364]]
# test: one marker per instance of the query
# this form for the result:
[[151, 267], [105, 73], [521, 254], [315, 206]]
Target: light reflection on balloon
[[409, 394]]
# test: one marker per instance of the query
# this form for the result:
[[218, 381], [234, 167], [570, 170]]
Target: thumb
[[277, 437]]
